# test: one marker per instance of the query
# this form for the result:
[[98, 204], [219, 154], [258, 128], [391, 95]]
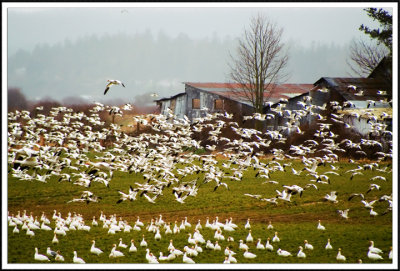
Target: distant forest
[[148, 64]]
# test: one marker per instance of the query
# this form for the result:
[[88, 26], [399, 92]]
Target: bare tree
[[260, 62], [365, 56]]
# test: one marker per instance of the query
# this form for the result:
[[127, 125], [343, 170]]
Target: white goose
[[283, 253], [121, 244], [374, 256], [301, 254], [259, 244], [328, 245], [40, 257], [243, 245], [276, 238], [270, 227], [111, 83], [94, 249], [249, 237], [320, 227], [59, 257], [143, 243], [268, 246], [247, 225], [187, 259], [115, 253], [76, 259], [132, 248], [307, 245], [249, 255], [374, 249], [390, 256], [339, 255]]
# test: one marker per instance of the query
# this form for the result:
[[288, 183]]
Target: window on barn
[[195, 103], [219, 104]]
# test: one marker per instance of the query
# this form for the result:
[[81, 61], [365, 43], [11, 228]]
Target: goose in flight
[[112, 82]]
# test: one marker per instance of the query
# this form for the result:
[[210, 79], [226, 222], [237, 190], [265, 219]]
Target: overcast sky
[[303, 23]]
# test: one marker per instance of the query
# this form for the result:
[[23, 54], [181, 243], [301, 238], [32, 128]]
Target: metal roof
[[369, 86]]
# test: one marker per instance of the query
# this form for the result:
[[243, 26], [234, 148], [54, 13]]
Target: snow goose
[[217, 246], [157, 236], [232, 259], [276, 238], [320, 227], [308, 245], [143, 243], [268, 246], [94, 222], [115, 253], [209, 245], [249, 237], [162, 257], [171, 245], [112, 82], [339, 255], [372, 212], [259, 244], [132, 248], [198, 225], [50, 252], [270, 227], [30, 233], [390, 256], [283, 253], [301, 254], [139, 223], [76, 259], [94, 249], [44, 227], [59, 257], [243, 245], [249, 255], [374, 249], [187, 259], [374, 256], [226, 260], [328, 245], [344, 213], [247, 225], [40, 257], [16, 230]]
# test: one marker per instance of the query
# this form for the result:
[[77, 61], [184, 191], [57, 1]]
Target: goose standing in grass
[[276, 239], [76, 259], [249, 237], [328, 245], [40, 257], [121, 244], [247, 226], [95, 250], [132, 248], [308, 245], [390, 255], [259, 244], [339, 255], [115, 253], [320, 227], [226, 260], [143, 243], [243, 245], [270, 227], [301, 254], [111, 83], [372, 212], [268, 246]]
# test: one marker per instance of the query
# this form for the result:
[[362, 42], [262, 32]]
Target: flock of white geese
[[163, 229], [57, 145]]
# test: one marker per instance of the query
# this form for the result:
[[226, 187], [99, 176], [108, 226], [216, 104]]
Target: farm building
[[222, 97]]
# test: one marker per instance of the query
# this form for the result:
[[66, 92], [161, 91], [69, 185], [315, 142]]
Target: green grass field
[[294, 221]]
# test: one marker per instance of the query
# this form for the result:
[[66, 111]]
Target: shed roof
[[273, 93], [369, 86]]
